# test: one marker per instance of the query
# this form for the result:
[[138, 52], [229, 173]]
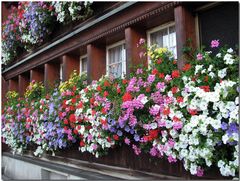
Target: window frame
[[124, 69], [81, 64], [158, 28]]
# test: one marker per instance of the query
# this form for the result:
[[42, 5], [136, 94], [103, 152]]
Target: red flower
[[73, 100], [93, 112], [192, 111], [175, 74], [74, 88], [82, 143], [154, 71], [186, 67], [166, 111], [176, 119], [75, 132], [72, 118], [175, 62], [153, 134], [104, 111], [116, 137], [124, 81], [105, 94], [78, 127], [118, 90], [80, 105], [103, 121], [179, 99], [127, 97], [148, 89], [106, 83], [92, 100], [161, 75], [159, 61], [99, 88], [109, 139], [174, 90], [65, 121], [205, 88], [65, 128]]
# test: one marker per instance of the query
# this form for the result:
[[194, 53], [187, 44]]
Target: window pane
[[116, 58], [160, 38], [84, 64]]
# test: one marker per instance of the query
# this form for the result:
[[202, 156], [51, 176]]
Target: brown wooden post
[[23, 82], [132, 37], [96, 62], [13, 84], [70, 63], [4, 90], [51, 74], [185, 29], [37, 75]]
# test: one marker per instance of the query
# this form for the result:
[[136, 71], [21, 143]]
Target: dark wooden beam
[[70, 63], [132, 37], [23, 82], [185, 29], [4, 90], [51, 74], [13, 84], [37, 75], [96, 65]]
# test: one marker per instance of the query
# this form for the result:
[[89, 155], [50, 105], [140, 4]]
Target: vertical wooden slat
[[132, 37], [37, 75], [51, 74], [23, 82], [70, 63], [96, 62], [13, 84], [185, 29], [4, 91]]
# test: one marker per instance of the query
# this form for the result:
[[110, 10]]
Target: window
[[61, 72], [163, 36], [83, 64], [116, 59]]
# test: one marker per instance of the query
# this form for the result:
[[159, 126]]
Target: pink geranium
[[214, 43]]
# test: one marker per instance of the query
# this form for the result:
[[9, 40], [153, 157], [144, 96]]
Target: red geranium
[[72, 118], [174, 90], [105, 94], [154, 71], [205, 88], [175, 74], [116, 137], [179, 99], [106, 83], [82, 143], [99, 88], [166, 111], [161, 75], [186, 67], [127, 97]]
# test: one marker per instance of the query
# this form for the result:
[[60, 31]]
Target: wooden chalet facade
[[117, 26]]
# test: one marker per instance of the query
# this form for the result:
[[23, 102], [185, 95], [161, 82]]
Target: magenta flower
[[200, 172], [141, 41], [199, 56], [127, 141], [214, 43]]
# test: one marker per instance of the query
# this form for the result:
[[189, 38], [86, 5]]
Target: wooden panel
[[4, 90], [141, 12], [51, 74], [96, 65], [13, 84], [23, 82], [132, 37], [37, 75], [70, 63], [185, 29]]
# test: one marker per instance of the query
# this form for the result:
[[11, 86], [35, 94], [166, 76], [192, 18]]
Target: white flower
[[193, 169], [230, 50], [218, 55], [228, 59], [222, 73]]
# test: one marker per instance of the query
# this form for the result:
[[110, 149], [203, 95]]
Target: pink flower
[[127, 141], [141, 41], [151, 78], [214, 43], [141, 54], [137, 150], [153, 151], [168, 77], [171, 159], [139, 71], [200, 172], [199, 56]]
